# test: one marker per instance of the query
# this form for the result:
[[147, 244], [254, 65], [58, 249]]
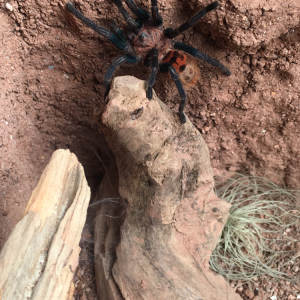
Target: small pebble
[[9, 7], [77, 283], [249, 293], [5, 209]]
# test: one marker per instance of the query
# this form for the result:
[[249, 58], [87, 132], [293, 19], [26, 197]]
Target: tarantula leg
[[175, 77], [102, 31], [140, 13], [194, 52], [130, 59], [171, 33], [157, 19], [153, 59], [126, 16], [119, 33]]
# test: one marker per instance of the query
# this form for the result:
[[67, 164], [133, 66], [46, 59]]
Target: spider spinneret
[[145, 39]]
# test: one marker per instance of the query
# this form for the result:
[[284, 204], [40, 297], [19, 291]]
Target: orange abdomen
[[184, 65], [177, 59]]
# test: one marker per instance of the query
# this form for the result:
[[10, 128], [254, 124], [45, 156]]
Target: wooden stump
[[40, 257], [173, 218]]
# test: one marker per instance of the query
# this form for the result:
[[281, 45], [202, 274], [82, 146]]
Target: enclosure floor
[[51, 80]]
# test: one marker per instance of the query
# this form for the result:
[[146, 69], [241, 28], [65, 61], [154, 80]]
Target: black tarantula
[[146, 40]]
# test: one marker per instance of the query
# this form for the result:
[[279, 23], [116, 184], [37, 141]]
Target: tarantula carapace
[[145, 39]]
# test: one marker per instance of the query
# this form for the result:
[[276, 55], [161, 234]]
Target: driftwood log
[[163, 178], [40, 257]]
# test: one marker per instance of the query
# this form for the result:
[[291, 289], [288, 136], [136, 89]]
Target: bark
[[173, 218], [40, 257]]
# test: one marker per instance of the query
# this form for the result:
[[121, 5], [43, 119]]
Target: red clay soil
[[51, 80]]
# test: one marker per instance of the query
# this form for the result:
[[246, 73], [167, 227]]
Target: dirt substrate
[[51, 80]]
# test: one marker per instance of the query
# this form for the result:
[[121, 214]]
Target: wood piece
[[109, 217], [173, 217], [40, 257]]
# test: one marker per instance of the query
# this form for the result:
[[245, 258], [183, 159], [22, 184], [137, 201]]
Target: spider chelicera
[[145, 39]]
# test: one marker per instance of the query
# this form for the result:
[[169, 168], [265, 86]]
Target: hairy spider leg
[[166, 67], [153, 54], [119, 33], [140, 13], [171, 33], [132, 23], [130, 59], [102, 31], [157, 19], [194, 52]]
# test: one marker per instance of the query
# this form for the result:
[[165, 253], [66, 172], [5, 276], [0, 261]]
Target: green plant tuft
[[255, 240]]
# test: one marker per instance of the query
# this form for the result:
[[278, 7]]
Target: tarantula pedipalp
[[147, 40]]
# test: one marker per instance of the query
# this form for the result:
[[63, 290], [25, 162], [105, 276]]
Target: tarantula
[[146, 40]]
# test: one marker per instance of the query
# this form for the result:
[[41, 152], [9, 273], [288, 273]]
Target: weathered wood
[[40, 257], [173, 218], [109, 217]]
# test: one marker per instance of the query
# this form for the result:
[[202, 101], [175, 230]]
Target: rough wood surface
[[109, 217], [173, 218], [41, 254]]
